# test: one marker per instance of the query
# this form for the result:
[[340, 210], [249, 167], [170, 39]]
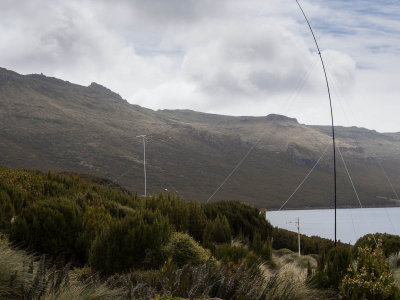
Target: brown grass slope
[[50, 124]]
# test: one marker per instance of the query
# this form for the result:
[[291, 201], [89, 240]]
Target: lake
[[351, 223]]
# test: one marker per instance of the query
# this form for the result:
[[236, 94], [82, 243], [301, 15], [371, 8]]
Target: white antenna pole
[[144, 166], [297, 222], [144, 162], [298, 232]]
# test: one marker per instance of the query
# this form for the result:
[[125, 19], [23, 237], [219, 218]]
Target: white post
[[144, 166], [298, 232], [144, 162]]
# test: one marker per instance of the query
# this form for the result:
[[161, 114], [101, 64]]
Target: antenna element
[[330, 104]]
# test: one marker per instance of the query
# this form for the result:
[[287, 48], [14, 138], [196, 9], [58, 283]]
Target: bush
[[49, 227], [390, 243], [262, 248], [197, 220], [133, 242], [332, 267], [309, 245], [217, 230], [231, 254], [94, 220], [370, 278], [283, 251], [6, 209], [243, 219], [183, 249]]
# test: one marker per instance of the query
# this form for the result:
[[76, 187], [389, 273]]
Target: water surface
[[351, 223]]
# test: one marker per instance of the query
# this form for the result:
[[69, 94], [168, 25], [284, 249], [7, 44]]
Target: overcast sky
[[232, 57]]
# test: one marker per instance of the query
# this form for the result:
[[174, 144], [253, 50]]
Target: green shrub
[[49, 227], [133, 242], [197, 220], [6, 209], [390, 243], [94, 220], [283, 251], [243, 219], [171, 206], [332, 267], [262, 247], [217, 231], [266, 251], [183, 249], [231, 254], [370, 277]]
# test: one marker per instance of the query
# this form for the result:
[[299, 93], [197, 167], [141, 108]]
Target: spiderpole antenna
[[330, 104], [143, 137]]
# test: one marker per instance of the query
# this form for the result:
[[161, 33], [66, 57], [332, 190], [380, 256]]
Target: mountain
[[50, 124]]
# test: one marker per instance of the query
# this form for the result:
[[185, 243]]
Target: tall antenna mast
[[330, 104], [144, 161]]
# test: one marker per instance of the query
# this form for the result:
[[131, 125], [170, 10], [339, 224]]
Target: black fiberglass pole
[[330, 104]]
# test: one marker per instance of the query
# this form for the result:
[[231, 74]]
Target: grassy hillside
[[50, 124]]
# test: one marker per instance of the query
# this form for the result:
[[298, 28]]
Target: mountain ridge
[[48, 123]]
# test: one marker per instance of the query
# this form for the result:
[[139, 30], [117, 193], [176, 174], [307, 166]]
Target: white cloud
[[247, 59], [229, 56]]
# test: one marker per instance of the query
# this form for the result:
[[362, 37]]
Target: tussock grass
[[283, 257], [396, 275], [24, 276], [14, 278], [289, 279], [394, 263]]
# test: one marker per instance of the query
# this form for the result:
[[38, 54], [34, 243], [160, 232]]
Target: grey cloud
[[257, 59], [212, 55]]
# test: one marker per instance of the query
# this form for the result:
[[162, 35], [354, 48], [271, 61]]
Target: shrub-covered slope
[[92, 239]]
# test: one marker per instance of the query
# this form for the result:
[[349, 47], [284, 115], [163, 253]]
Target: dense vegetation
[[73, 219], [369, 277], [98, 237], [390, 243]]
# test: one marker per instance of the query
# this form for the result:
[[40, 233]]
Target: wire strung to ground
[[352, 222], [351, 180], [354, 188], [289, 101], [387, 177], [331, 109], [394, 191], [237, 166], [340, 96], [305, 178]]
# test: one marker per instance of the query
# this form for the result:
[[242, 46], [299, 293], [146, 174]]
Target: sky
[[229, 57]]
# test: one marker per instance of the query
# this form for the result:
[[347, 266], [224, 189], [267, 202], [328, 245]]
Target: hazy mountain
[[50, 124]]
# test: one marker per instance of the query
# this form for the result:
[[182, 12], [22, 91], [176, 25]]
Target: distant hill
[[50, 124]]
